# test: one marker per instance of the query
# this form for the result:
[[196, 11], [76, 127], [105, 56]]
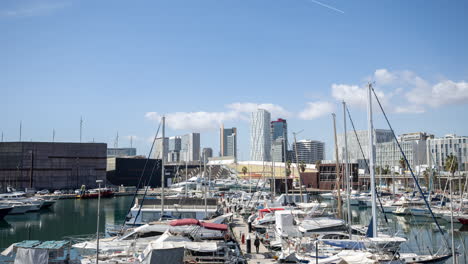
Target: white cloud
[[442, 93], [153, 116], [353, 95], [202, 121], [403, 92], [413, 109], [194, 121], [316, 109], [383, 76]]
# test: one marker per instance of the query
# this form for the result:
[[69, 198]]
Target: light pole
[[98, 212]]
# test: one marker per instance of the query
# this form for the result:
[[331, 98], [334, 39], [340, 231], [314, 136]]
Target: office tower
[[279, 140], [439, 148], [308, 151], [260, 137], [190, 147], [206, 154], [228, 142]]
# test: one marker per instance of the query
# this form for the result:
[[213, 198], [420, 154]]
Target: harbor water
[[75, 219], [69, 218]]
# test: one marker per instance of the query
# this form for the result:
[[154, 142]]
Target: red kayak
[[463, 221]]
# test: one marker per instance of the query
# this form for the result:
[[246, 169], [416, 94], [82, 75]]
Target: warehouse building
[[51, 165]]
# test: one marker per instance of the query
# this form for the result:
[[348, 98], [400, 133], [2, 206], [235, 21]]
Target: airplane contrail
[[327, 6]]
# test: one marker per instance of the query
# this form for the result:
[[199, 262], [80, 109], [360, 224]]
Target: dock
[[239, 227]]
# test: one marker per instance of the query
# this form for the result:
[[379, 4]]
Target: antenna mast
[[81, 127]]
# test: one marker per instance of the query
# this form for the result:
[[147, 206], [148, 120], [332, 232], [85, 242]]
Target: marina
[[234, 132]]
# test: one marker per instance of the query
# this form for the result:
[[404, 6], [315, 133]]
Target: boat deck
[[239, 227]]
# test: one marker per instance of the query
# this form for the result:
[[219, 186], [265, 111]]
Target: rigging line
[[156, 164], [367, 165], [411, 170], [141, 176]]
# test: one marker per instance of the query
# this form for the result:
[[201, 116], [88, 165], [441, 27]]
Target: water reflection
[[67, 218]]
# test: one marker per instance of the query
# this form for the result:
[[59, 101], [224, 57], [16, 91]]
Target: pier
[[239, 227]]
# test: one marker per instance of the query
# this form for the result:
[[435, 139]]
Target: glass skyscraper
[[228, 142], [279, 140], [260, 137]]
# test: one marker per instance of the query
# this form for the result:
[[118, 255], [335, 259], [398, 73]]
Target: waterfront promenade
[[239, 227]]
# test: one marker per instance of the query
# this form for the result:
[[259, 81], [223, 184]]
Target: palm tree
[[402, 163], [317, 164], [288, 168], [426, 178], [244, 170], [451, 164], [302, 166]]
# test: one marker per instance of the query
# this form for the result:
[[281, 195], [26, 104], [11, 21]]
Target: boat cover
[[182, 222], [356, 257], [31, 256], [214, 226], [169, 255]]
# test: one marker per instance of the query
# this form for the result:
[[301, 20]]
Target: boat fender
[[397, 255]]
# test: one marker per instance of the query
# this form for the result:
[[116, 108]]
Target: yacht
[[149, 210]]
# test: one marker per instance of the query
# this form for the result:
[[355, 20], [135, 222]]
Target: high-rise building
[[439, 148], [158, 147], [308, 151], [190, 147], [228, 142], [206, 154], [354, 151], [279, 140], [121, 152], [173, 154], [260, 137], [175, 143], [414, 146]]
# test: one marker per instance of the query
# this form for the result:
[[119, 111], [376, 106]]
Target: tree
[[451, 164], [426, 177], [302, 166], [386, 170], [288, 168], [317, 164], [244, 170], [378, 170], [402, 163]]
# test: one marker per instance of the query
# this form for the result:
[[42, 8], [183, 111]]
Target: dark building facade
[[52, 165], [327, 176], [127, 172]]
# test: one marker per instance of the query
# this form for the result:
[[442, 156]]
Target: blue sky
[[121, 64]]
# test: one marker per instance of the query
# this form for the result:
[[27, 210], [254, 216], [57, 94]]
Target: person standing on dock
[[257, 243], [249, 222]]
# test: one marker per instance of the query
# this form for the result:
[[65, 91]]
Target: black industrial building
[[51, 165], [127, 172]]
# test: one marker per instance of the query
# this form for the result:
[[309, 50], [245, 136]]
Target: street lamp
[[98, 212]]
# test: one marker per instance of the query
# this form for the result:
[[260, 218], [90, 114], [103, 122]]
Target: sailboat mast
[[337, 169], [347, 173], [163, 154], [186, 179], [371, 161], [297, 166]]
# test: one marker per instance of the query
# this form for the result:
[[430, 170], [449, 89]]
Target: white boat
[[174, 208], [321, 224], [20, 207]]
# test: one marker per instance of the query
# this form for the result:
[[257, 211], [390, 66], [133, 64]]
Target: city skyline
[[296, 59]]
